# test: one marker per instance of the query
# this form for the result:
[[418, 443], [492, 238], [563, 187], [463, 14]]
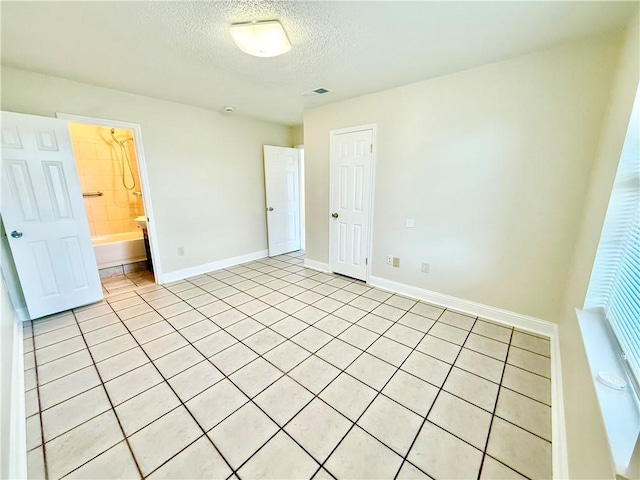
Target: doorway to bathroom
[[110, 162]]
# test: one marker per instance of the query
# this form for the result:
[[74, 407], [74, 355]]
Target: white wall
[[297, 135], [205, 168], [493, 164], [12, 451], [6, 367], [587, 447]]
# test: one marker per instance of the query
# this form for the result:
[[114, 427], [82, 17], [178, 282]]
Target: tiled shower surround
[[99, 165], [271, 370]]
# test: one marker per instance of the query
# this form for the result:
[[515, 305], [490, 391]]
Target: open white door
[[350, 199], [282, 185], [44, 216]]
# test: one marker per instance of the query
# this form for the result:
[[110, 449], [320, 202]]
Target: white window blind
[[615, 279]]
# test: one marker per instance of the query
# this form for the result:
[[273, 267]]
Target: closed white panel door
[[351, 176], [282, 185], [44, 216]]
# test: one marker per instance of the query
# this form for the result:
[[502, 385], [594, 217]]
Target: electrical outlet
[[389, 259], [180, 251], [425, 267], [396, 261]]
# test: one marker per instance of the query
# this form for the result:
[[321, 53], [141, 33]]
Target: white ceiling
[[183, 52]]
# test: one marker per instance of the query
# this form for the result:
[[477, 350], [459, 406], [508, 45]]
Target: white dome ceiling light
[[266, 38]]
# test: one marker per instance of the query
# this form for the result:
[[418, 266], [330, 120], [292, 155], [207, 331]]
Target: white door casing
[[44, 216], [142, 173], [282, 187], [351, 185]]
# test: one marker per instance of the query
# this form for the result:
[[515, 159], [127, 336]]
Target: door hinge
[[366, 261], [371, 148]]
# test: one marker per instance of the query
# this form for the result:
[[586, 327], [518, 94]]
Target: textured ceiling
[[183, 52]]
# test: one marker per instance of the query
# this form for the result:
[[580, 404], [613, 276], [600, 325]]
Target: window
[[615, 280]]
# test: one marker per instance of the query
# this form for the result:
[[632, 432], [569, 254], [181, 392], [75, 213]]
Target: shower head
[[119, 142]]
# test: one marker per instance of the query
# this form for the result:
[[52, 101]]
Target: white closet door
[[351, 184]]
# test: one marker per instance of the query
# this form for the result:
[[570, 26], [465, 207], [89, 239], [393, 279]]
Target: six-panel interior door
[[351, 175], [282, 185], [44, 216]]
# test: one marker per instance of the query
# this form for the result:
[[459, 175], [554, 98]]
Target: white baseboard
[[17, 427], [319, 266], [512, 319], [210, 267]]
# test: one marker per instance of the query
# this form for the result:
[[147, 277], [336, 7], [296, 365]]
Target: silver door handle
[[16, 234], [270, 209], [334, 215]]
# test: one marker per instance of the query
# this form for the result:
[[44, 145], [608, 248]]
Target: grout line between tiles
[[44, 450]]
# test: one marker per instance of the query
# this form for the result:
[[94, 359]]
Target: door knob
[[334, 215], [16, 234], [270, 209]]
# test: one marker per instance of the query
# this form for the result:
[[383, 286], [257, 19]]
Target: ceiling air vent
[[315, 92]]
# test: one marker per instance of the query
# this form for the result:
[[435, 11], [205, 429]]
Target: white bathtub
[[119, 249]]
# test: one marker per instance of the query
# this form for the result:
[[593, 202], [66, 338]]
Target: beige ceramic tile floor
[[271, 370]]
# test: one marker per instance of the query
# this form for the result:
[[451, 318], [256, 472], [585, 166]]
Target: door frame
[[144, 178], [303, 196], [374, 140]]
